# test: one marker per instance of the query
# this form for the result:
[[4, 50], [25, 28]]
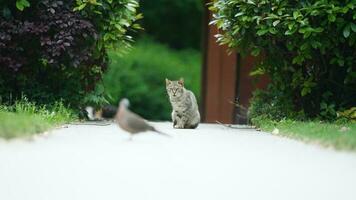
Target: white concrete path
[[85, 162]]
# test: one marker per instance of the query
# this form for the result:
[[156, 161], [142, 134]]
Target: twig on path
[[230, 126], [91, 123]]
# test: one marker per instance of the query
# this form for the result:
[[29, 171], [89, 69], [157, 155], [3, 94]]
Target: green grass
[[24, 119], [337, 135], [140, 76]]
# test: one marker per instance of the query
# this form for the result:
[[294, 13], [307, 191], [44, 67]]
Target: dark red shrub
[[49, 52]]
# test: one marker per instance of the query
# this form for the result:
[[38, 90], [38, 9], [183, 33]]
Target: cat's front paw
[[178, 126]]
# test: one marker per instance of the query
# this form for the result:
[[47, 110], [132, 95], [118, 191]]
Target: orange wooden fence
[[225, 79]]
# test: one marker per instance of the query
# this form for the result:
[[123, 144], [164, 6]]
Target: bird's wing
[[136, 122]]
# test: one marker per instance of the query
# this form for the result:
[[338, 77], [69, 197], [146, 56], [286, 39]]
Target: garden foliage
[[308, 49], [57, 49], [25, 118], [176, 23], [140, 77]]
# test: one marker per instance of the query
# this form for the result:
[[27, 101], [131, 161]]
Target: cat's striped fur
[[185, 112]]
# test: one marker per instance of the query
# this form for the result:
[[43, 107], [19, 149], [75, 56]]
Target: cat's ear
[[168, 81], [181, 81]]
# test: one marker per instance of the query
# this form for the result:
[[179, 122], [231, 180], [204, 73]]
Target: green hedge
[[140, 76], [54, 50], [176, 23], [308, 46]]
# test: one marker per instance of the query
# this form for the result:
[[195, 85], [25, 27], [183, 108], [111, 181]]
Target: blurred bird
[[131, 122]]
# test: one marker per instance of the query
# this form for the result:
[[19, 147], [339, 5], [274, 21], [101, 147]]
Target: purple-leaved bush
[[48, 52]]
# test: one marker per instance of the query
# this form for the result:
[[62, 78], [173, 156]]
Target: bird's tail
[[160, 132]]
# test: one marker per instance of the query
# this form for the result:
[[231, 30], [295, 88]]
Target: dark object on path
[[131, 122], [106, 112]]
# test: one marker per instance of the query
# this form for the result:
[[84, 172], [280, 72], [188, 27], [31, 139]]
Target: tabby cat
[[185, 112]]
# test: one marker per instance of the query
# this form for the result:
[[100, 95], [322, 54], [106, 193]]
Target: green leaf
[[289, 32], [80, 7], [305, 91], [6, 13], [353, 27], [273, 30], [97, 12], [130, 8], [19, 5], [290, 46], [304, 46], [341, 62], [315, 44], [22, 4], [331, 18], [291, 26], [351, 5], [272, 16], [306, 34], [251, 2], [25, 3], [257, 72], [239, 14], [318, 30], [296, 14], [137, 26], [346, 31], [275, 23], [124, 22], [139, 16], [302, 30], [298, 60], [262, 32], [314, 13], [255, 51]]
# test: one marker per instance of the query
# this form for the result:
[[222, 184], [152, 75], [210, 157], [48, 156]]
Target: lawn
[[24, 119], [340, 136]]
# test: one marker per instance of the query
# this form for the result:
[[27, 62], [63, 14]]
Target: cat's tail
[[193, 126]]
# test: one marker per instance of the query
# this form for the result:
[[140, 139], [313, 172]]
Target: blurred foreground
[[211, 162]]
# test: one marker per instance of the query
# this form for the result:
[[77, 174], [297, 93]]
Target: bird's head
[[124, 103]]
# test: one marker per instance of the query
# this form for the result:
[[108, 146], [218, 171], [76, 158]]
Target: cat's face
[[175, 89]]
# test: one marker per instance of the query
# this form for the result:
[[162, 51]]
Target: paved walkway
[[85, 162]]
